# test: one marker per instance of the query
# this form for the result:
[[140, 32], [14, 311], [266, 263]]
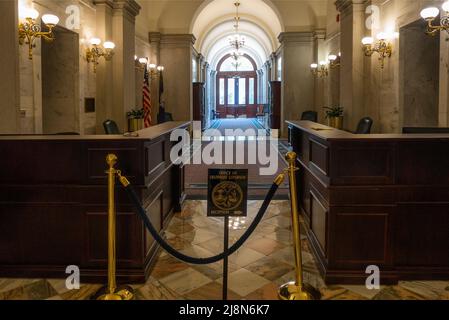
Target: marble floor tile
[[269, 268], [285, 255], [433, 290], [185, 281], [9, 284], [213, 245], [156, 291], [167, 265], [397, 293], [178, 243], [179, 229], [265, 246], [282, 235], [363, 290], [215, 271], [279, 221], [84, 293], [243, 282], [198, 252], [267, 292], [59, 285], [211, 291], [38, 290], [198, 236], [245, 256]]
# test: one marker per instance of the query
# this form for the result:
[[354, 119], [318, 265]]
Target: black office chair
[[310, 116], [364, 126], [110, 127], [164, 117]]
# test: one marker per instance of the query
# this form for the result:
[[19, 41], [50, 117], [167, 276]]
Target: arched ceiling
[[213, 24]]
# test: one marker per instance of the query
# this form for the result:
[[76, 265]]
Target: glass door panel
[[231, 91], [242, 91], [251, 99], [221, 91]]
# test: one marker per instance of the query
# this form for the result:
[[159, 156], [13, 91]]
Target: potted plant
[[135, 119], [334, 116]]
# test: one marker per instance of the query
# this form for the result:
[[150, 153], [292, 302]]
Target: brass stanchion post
[[111, 292], [297, 290]]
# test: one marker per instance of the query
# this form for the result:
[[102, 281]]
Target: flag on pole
[[161, 85], [146, 99]]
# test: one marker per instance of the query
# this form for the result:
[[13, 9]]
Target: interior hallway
[[196, 174]]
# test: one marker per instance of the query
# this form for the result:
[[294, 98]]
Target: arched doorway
[[236, 87]]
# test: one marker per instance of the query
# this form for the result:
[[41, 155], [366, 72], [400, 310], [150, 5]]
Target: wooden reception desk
[[374, 200], [53, 202]]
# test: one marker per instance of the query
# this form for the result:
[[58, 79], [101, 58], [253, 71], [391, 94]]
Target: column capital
[[130, 6], [108, 3], [177, 40], [154, 37], [346, 6], [319, 34], [296, 37]]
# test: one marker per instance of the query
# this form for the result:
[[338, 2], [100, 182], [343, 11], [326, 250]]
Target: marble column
[[155, 41], [104, 98], [444, 82], [352, 26], [123, 35], [9, 68], [320, 83], [297, 80], [176, 51]]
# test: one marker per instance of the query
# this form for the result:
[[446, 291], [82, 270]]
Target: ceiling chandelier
[[237, 41]]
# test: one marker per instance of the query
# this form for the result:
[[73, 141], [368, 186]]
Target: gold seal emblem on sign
[[227, 195]]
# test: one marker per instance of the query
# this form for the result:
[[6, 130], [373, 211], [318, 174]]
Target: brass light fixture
[[94, 53], [30, 29], [334, 60], [153, 69], [382, 46], [237, 41], [321, 70], [431, 13]]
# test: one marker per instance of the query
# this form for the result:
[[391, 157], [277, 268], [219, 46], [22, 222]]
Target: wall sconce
[[141, 63], [93, 54], [153, 70], [381, 46], [430, 14], [334, 60], [321, 71], [30, 30]]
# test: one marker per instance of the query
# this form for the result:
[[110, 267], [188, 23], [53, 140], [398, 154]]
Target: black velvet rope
[[192, 260]]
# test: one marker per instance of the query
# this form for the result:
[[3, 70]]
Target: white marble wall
[[297, 50], [31, 71]]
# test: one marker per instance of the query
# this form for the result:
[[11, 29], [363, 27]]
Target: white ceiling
[[213, 24]]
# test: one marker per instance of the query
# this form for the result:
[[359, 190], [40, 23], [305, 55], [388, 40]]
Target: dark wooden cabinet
[[275, 104], [374, 200], [199, 103], [53, 203]]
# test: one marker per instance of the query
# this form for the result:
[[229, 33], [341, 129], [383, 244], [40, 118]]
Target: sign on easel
[[227, 197], [228, 193]]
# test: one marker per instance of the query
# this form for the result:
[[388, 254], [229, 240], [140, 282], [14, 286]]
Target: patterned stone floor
[[256, 270]]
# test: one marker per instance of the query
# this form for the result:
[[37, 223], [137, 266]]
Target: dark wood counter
[[53, 202], [374, 200]]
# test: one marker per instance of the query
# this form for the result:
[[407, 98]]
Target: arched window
[[236, 86], [244, 64]]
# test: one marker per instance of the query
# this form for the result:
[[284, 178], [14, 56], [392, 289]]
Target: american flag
[[146, 99]]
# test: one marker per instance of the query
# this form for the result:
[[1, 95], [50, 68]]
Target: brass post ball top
[[291, 157], [111, 159]]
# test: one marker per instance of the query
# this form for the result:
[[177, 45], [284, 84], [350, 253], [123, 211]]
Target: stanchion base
[[290, 291], [121, 293]]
